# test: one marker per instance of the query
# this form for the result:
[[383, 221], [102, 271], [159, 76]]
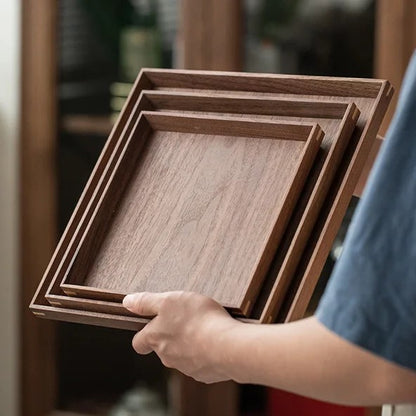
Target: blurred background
[[66, 67]]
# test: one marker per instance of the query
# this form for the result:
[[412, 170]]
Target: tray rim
[[310, 214], [347, 182], [143, 95], [151, 98], [310, 134], [350, 114], [299, 101], [354, 87]]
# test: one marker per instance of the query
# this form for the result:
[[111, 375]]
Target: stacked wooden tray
[[228, 184]]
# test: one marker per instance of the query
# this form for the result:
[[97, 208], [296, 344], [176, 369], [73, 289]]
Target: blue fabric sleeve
[[371, 296]]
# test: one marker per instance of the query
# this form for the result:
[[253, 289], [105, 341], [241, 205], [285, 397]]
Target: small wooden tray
[[337, 120], [372, 98], [195, 203]]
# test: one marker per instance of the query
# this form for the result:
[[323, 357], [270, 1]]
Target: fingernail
[[128, 301]]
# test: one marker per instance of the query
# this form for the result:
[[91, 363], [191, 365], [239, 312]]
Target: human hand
[[186, 332]]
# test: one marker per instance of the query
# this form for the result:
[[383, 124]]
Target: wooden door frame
[[38, 213], [216, 41], [395, 40]]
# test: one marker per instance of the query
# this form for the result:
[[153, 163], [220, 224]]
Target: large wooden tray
[[372, 98], [194, 203], [337, 120]]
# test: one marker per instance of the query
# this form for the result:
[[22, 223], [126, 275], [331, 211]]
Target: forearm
[[195, 335], [305, 358]]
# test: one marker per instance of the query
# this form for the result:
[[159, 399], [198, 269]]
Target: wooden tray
[[338, 121], [205, 204], [372, 98]]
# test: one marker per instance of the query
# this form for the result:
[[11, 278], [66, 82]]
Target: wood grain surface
[[216, 41], [337, 130], [37, 204], [195, 206], [304, 218], [371, 96], [334, 209], [266, 83]]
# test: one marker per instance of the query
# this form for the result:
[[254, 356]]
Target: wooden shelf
[[85, 124], [64, 413]]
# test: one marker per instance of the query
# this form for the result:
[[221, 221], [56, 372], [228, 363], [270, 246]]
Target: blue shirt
[[371, 296]]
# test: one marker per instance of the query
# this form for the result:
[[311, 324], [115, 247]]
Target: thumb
[[143, 303]]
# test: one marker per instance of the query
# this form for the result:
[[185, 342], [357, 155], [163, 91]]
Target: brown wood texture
[[305, 216], [37, 200], [39, 304], [87, 317], [300, 86], [395, 42], [190, 398], [197, 203], [193, 36], [374, 99], [337, 130], [215, 42], [226, 35], [359, 188], [332, 213]]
